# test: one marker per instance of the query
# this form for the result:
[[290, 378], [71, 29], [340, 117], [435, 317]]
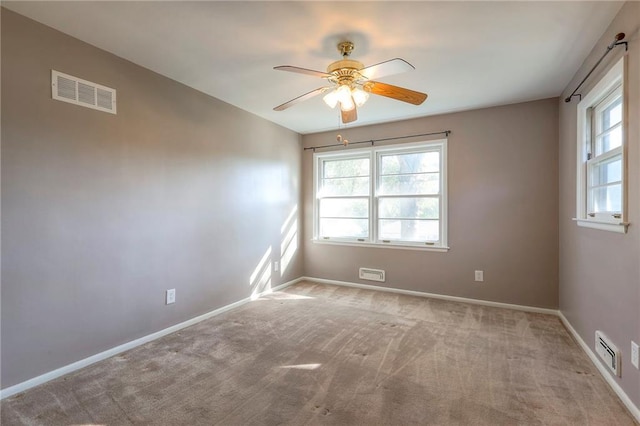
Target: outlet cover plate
[[171, 296], [479, 275], [635, 354]]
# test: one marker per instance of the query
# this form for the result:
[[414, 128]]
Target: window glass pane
[[409, 208], [344, 207], [606, 199], [346, 168], [344, 228], [409, 230], [612, 115], [607, 172], [428, 183], [419, 162], [609, 141], [344, 186]]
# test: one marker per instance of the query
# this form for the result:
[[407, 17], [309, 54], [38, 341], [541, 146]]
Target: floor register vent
[[74, 90], [608, 352], [371, 274]]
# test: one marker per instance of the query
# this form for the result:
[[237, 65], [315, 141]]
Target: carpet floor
[[320, 354]]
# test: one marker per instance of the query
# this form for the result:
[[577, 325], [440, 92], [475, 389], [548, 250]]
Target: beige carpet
[[319, 354]]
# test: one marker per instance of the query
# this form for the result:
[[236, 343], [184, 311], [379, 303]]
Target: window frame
[[317, 171], [591, 104], [374, 154]]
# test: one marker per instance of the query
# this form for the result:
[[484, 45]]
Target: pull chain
[[339, 137]]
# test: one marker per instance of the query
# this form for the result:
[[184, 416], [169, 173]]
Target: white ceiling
[[467, 54]]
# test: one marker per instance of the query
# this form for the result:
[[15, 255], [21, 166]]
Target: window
[[604, 159], [382, 196], [601, 154]]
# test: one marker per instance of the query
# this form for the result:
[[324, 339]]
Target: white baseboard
[[436, 296], [28, 384], [633, 409], [21, 387]]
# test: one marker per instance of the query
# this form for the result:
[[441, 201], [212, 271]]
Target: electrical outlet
[[276, 266], [635, 353], [171, 296], [479, 275]]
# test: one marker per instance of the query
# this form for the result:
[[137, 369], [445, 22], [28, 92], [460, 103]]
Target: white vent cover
[[608, 352], [76, 91], [371, 274]]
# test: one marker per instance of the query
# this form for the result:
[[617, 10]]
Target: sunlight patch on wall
[[260, 279], [289, 244], [289, 219]]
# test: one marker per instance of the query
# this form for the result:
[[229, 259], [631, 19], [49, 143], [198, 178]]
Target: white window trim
[[371, 154], [613, 78]]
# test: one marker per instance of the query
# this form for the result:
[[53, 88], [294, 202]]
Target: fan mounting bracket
[[345, 48]]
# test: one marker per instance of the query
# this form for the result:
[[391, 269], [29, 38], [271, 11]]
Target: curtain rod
[[616, 42], [372, 141]]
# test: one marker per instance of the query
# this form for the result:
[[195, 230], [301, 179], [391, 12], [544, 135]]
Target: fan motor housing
[[345, 71], [348, 64]]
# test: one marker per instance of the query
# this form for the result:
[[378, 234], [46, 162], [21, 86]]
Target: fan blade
[[383, 69], [302, 71], [349, 116], [394, 92], [301, 98]]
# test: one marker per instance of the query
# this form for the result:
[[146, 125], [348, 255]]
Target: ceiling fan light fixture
[[348, 105], [359, 96], [331, 99], [343, 94]]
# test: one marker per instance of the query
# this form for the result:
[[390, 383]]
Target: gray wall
[[102, 213], [503, 205], [599, 270]]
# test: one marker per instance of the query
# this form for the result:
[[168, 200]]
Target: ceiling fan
[[351, 83]]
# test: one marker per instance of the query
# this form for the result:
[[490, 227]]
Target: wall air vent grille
[[608, 352], [74, 90], [371, 274], [106, 98], [66, 88], [86, 94]]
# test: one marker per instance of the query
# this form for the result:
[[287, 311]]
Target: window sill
[[385, 245], [619, 227]]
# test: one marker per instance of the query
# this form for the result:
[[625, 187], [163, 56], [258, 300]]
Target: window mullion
[[330, 197], [605, 156], [608, 130], [373, 197], [409, 196], [604, 185]]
